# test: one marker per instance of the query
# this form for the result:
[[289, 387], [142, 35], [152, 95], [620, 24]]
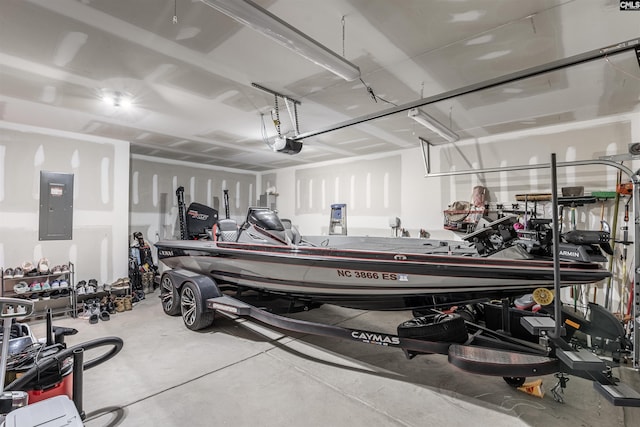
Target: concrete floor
[[239, 373]]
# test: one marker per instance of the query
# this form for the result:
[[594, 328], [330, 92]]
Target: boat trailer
[[485, 351], [513, 365]]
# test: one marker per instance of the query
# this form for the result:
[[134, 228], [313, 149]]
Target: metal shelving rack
[[635, 179], [64, 305]]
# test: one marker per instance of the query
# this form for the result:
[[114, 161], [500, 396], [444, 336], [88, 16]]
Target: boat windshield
[[265, 219]]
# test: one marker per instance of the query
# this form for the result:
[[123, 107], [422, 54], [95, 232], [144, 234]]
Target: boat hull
[[368, 278]]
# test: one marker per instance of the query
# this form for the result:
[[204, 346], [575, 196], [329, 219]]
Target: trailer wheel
[[514, 381], [194, 312], [170, 296], [438, 327]]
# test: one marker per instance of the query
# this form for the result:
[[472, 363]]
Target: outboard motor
[[200, 219]]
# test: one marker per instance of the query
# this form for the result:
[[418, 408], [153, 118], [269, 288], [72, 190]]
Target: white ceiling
[[191, 81]]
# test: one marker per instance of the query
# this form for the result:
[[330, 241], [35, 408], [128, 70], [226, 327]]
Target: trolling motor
[[181, 217], [584, 244]]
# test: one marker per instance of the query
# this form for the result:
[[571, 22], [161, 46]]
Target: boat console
[[263, 226]]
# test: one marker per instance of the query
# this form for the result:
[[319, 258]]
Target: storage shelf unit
[[64, 304]]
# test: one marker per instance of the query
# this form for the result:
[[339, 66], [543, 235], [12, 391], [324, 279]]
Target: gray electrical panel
[[56, 206]]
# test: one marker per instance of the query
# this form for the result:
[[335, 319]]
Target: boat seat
[[227, 230], [291, 231]]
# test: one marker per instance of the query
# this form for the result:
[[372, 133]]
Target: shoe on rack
[[107, 287], [56, 270], [8, 273], [36, 286], [21, 309], [9, 309], [118, 284], [46, 296], [46, 286], [64, 269], [21, 288], [29, 269], [43, 266], [80, 290], [55, 284], [18, 272], [92, 286], [64, 284]]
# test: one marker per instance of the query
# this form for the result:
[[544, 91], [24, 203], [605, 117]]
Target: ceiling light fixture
[[117, 99], [433, 125], [250, 14]]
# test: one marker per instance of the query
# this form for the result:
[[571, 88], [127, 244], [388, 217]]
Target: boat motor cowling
[[200, 219]]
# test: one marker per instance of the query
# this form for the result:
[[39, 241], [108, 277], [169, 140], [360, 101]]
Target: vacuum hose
[[44, 364]]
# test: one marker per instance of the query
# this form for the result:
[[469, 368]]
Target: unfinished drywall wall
[[369, 187], [584, 143], [153, 185], [100, 198], [420, 201]]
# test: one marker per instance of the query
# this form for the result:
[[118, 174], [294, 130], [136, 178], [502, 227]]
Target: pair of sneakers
[[84, 288], [122, 283], [8, 273], [94, 311], [21, 309], [21, 287], [124, 303], [13, 273]]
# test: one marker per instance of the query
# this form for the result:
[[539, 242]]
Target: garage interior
[[394, 111]]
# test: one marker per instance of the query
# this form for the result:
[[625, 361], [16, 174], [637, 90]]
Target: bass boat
[[268, 255]]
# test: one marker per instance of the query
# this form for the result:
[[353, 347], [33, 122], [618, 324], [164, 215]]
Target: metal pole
[[6, 336], [226, 203], [559, 330], [273, 92], [50, 326], [487, 84], [611, 163], [78, 378], [635, 312]]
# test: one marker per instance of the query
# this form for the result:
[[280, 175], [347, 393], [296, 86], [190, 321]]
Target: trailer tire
[[192, 306], [169, 295], [435, 327]]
